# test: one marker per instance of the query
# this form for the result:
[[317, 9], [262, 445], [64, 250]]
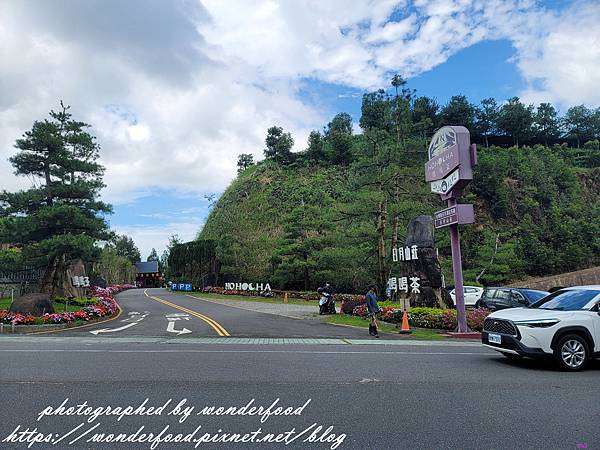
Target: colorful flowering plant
[[442, 319], [105, 306]]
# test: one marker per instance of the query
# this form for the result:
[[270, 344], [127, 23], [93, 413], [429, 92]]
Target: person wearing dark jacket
[[373, 310]]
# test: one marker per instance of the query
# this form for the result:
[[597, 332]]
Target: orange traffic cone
[[405, 327], [285, 298]]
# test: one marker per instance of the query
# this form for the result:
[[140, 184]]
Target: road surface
[[386, 394]]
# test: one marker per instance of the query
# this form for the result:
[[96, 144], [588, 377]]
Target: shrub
[[441, 319]]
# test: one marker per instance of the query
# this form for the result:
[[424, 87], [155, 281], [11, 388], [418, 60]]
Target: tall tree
[[59, 219], [114, 268], [459, 111], [297, 257], [425, 116], [315, 151], [153, 256], [124, 246], [486, 117], [244, 161], [163, 262], [376, 111], [339, 136], [579, 123], [516, 120], [279, 145], [400, 108], [547, 123]]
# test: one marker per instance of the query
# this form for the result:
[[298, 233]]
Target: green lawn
[[417, 333], [251, 299], [58, 307], [5, 303]]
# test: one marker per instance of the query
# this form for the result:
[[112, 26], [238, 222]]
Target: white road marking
[[136, 317], [177, 316], [310, 352], [110, 330], [171, 329]]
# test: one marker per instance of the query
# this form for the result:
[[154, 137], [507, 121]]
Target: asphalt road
[[375, 394], [161, 313], [406, 395]]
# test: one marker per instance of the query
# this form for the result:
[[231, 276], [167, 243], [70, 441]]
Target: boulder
[[420, 232], [35, 304]]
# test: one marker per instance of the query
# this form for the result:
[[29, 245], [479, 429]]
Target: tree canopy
[[60, 218]]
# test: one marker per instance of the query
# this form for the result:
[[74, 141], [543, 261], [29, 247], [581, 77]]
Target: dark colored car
[[496, 298]]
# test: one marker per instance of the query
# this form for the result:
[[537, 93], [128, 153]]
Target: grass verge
[[417, 333], [291, 301], [58, 307]]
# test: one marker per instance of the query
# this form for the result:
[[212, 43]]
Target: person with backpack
[[373, 309]]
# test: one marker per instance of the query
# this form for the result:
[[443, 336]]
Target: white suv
[[564, 325], [472, 294]]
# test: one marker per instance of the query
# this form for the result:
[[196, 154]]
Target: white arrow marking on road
[[134, 318], [110, 330], [171, 329]]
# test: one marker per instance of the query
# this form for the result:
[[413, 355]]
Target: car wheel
[[572, 352]]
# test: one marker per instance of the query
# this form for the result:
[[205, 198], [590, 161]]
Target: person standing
[[373, 310]]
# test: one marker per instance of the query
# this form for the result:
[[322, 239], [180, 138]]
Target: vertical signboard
[[449, 169]]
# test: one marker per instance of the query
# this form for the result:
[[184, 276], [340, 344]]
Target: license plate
[[494, 338]]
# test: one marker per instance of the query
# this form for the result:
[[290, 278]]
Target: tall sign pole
[[449, 169]]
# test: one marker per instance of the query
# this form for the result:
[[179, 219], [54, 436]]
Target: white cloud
[[176, 90], [564, 66], [147, 237]]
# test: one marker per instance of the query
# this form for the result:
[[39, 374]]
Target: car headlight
[[537, 323]]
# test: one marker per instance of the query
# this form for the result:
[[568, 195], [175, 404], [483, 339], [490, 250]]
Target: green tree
[[59, 219], [486, 117], [376, 112], [153, 256], [516, 120], [546, 122], [459, 111], [425, 116], [163, 262], [579, 124], [315, 151], [401, 107], [244, 161], [339, 135], [305, 235], [279, 145], [125, 246], [114, 268]]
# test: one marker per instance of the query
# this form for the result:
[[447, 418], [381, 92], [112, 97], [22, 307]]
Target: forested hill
[[335, 211]]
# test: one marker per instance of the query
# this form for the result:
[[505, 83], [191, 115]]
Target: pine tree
[[59, 219]]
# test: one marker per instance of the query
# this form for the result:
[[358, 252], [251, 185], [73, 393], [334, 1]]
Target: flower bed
[[442, 319], [105, 306]]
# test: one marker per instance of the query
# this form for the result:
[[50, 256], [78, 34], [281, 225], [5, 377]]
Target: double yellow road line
[[213, 323]]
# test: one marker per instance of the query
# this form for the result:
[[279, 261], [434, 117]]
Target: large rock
[[420, 231], [36, 304]]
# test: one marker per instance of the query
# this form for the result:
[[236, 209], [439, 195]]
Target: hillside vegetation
[[334, 211]]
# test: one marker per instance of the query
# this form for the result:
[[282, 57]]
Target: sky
[[176, 90]]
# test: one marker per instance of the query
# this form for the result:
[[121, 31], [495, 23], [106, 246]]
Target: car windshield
[[534, 296], [570, 300]]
